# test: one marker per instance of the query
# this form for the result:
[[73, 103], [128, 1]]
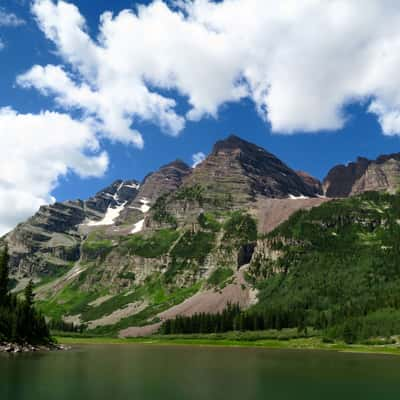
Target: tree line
[[20, 322], [202, 322], [58, 325], [233, 319]]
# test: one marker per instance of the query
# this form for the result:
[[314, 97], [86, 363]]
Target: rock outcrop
[[166, 180], [382, 174], [313, 183]]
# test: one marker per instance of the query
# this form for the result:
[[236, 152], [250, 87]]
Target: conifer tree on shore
[[19, 320]]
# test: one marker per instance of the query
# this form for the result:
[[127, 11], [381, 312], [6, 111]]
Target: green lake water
[[141, 372]]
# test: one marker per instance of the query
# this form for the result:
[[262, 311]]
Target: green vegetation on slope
[[94, 247], [194, 245], [191, 193], [219, 276], [71, 300], [150, 247], [189, 253], [203, 322], [162, 301], [339, 269], [160, 213], [240, 228], [209, 221]]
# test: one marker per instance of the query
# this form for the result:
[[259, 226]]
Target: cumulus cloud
[[37, 150], [9, 19], [300, 63], [2, 45], [198, 158]]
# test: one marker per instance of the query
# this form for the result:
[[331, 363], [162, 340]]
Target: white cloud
[[300, 62], [114, 90], [37, 150], [305, 60], [197, 158], [2, 45], [9, 19]]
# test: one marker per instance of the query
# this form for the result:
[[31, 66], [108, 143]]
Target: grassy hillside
[[144, 274], [338, 269]]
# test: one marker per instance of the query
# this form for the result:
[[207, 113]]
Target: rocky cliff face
[[246, 171], [313, 183], [166, 180], [50, 241], [382, 174]]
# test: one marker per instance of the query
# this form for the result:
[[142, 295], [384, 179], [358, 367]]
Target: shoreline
[[292, 344], [14, 348]]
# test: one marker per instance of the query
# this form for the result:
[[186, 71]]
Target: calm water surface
[[140, 372]]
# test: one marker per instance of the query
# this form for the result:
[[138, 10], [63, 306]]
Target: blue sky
[[314, 139], [314, 153]]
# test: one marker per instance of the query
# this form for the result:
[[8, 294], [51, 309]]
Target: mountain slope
[[49, 242], [335, 264]]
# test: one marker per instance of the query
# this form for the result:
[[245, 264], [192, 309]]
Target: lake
[[147, 372]]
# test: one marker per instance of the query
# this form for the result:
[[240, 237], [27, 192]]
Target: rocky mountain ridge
[[235, 172], [50, 240], [363, 175]]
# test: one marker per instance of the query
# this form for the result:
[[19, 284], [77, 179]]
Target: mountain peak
[[246, 171], [178, 163], [233, 142]]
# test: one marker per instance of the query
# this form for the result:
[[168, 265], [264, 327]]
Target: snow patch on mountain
[[138, 227], [109, 218], [301, 197], [133, 186], [144, 208]]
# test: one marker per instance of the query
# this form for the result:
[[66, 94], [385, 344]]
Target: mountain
[[192, 240], [49, 242], [246, 171], [382, 174]]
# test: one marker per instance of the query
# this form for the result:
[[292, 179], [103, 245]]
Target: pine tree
[[19, 321], [3, 276], [29, 295]]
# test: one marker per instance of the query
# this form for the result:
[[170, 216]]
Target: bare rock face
[[50, 240], [47, 241], [382, 174], [313, 183], [166, 180], [270, 213], [246, 171], [115, 194]]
